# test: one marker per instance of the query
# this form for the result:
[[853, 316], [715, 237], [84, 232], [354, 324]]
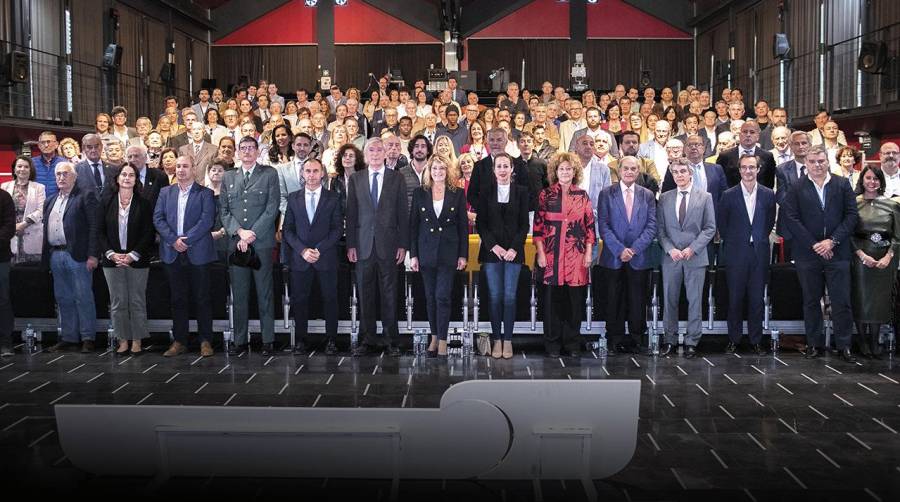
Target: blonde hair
[[558, 159], [452, 172], [446, 138]]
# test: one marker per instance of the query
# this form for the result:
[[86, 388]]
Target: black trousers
[[301, 286], [6, 310], [438, 283], [814, 276], [187, 280], [563, 313], [746, 284], [373, 275], [626, 299]]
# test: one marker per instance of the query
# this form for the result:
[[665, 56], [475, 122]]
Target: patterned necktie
[[196, 149], [98, 179], [246, 178], [374, 190], [682, 208]]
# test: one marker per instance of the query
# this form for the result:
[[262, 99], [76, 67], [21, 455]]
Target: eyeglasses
[[247, 148], [63, 174]]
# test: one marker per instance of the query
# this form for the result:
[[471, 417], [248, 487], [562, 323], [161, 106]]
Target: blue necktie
[[374, 190]]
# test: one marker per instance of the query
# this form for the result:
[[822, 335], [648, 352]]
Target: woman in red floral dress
[[564, 236]]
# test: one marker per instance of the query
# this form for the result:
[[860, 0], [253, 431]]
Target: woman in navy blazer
[[126, 263], [502, 225], [439, 242]]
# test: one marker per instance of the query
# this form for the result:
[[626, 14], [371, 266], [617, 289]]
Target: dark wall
[[544, 60], [289, 66], [355, 62]]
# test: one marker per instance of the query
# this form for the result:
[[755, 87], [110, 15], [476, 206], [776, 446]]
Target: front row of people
[[820, 212]]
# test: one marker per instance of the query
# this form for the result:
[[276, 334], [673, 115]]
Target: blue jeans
[[73, 289], [503, 279]]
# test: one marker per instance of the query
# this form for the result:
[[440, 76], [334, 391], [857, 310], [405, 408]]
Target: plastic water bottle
[[680, 342], [776, 341], [354, 339], [28, 335], [419, 343], [891, 343], [467, 343], [602, 349], [654, 344]]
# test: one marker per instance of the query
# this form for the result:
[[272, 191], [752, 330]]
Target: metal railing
[[62, 90]]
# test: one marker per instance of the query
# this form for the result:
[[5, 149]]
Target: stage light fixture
[[340, 3], [311, 3], [592, 1]]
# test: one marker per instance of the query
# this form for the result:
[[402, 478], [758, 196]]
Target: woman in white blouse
[[28, 197]]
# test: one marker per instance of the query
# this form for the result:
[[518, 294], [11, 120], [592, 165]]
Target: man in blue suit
[[746, 217], [70, 251], [313, 223], [627, 225], [786, 176], [820, 211], [184, 218]]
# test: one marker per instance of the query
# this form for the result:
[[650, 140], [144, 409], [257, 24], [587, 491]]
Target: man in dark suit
[[249, 210], [821, 215], [536, 168], [709, 177], [70, 251], [377, 240], [313, 223], [200, 151], [746, 217], [788, 175], [152, 180], [748, 146], [7, 232], [483, 171], [691, 128], [93, 173], [686, 224], [627, 225], [184, 218]]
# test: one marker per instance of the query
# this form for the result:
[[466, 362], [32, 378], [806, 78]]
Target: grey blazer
[[383, 229], [253, 206], [699, 225], [289, 181]]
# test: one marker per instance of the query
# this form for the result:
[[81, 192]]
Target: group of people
[[618, 181]]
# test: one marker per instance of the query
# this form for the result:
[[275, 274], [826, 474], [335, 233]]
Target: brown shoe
[[87, 346], [497, 351], [507, 350], [206, 349], [174, 350]]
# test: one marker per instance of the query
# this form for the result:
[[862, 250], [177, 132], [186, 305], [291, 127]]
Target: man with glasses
[[250, 198], [567, 129], [232, 127], [821, 214], [890, 161], [70, 252]]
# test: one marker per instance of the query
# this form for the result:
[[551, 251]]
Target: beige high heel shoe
[[507, 350], [497, 351]]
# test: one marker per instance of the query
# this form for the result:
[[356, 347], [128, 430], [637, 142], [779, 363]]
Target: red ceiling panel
[[291, 24]]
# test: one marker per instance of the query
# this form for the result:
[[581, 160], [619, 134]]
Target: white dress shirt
[[820, 191], [438, 206], [750, 202], [892, 184], [503, 193], [687, 199], [380, 180], [318, 199], [183, 195]]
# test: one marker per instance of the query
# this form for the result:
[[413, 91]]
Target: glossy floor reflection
[[742, 427]]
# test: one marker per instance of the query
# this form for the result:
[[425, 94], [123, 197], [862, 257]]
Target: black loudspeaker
[[467, 80], [645, 81], [167, 73], [872, 57], [780, 46], [208, 84], [112, 56], [460, 51], [17, 66]]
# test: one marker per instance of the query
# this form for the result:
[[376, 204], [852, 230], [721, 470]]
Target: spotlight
[[311, 3], [592, 1], [340, 3]]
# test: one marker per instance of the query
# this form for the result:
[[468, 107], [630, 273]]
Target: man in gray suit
[[687, 223], [249, 200], [200, 151], [290, 175], [377, 226]]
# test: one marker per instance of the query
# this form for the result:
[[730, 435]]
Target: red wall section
[[616, 19], [538, 19], [291, 24], [360, 23]]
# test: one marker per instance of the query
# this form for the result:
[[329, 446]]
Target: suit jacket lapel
[[693, 202]]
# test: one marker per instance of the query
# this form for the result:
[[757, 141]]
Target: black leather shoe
[[300, 348], [87, 346], [62, 346], [576, 353], [268, 349], [760, 349], [690, 352], [362, 349], [847, 356], [665, 349], [393, 350], [731, 348], [813, 353], [330, 348], [553, 354]]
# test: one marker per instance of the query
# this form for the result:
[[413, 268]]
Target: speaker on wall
[[17, 64], [780, 46], [873, 57], [112, 56], [645, 81]]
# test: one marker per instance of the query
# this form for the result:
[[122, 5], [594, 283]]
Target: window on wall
[[821, 53], [68, 32]]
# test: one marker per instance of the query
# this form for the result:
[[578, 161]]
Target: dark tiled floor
[[748, 428]]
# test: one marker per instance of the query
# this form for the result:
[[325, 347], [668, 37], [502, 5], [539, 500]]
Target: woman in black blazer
[[503, 226], [125, 234], [439, 242]]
